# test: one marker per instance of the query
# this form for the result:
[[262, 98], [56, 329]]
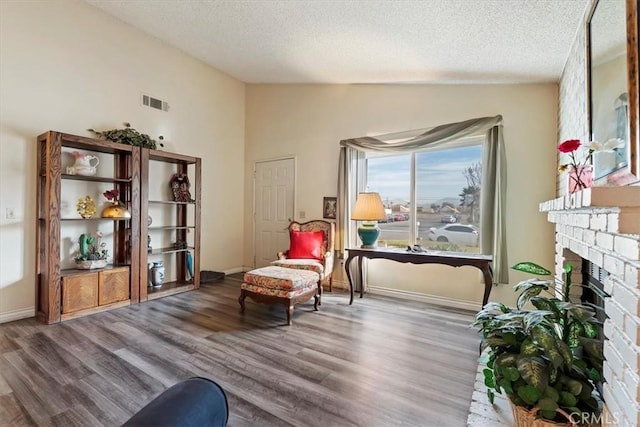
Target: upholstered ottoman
[[279, 285]]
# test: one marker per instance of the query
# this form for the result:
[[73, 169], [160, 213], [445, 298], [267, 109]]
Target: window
[[391, 177], [432, 197]]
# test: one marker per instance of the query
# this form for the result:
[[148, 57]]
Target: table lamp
[[369, 210]]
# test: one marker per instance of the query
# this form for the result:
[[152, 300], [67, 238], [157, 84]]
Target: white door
[[274, 193]]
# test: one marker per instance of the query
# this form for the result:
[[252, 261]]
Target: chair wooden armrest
[[283, 255], [328, 263]]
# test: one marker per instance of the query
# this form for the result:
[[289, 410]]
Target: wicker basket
[[524, 417]]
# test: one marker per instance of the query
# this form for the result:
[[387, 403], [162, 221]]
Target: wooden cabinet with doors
[[94, 290], [62, 291], [79, 291], [113, 285], [171, 228]]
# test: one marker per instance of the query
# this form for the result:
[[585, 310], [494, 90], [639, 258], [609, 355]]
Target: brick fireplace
[[602, 225]]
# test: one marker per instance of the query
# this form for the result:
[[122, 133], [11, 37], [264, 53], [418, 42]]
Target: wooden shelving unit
[[63, 294], [186, 222]]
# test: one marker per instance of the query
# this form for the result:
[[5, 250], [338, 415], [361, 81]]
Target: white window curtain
[[493, 202]]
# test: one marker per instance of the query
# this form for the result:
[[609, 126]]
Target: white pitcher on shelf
[[83, 164]]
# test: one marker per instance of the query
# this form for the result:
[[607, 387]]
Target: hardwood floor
[[379, 362]]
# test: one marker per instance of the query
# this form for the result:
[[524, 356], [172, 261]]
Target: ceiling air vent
[[155, 103]]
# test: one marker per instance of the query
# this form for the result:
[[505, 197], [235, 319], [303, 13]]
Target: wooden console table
[[454, 259]]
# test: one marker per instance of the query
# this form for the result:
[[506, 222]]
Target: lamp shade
[[368, 207]]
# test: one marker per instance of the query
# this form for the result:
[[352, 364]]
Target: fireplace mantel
[[621, 201]]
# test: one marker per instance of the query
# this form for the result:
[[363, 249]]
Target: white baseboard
[[23, 313], [236, 270], [432, 299]]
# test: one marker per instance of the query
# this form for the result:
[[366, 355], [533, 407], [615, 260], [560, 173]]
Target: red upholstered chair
[[311, 247]]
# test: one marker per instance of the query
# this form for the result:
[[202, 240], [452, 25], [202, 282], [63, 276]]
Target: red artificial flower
[[569, 146], [111, 194]]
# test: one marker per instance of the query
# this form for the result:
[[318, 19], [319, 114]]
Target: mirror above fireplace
[[612, 64]]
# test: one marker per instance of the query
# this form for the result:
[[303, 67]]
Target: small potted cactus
[[92, 252]]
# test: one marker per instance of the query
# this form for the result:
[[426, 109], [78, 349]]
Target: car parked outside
[[389, 218], [449, 219], [401, 217], [455, 233]]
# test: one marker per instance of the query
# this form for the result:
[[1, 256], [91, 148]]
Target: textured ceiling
[[366, 41]]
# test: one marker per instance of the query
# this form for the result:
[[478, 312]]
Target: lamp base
[[368, 234]]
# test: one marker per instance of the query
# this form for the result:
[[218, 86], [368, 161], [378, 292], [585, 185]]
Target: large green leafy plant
[[129, 136], [549, 357]]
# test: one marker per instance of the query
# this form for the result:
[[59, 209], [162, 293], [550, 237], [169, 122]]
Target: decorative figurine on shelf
[[83, 165], [180, 185], [92, 252], [86, 207], [149, 221], [180, 244], [115, 209]]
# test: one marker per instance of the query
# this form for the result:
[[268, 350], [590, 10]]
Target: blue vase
[[190, 265]]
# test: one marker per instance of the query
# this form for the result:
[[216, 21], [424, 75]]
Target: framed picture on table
[[329, 207]]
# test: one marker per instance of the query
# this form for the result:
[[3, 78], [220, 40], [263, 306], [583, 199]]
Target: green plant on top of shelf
[[129, 136]]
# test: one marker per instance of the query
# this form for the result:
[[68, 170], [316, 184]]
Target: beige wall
[[308, 121], [67, 66]]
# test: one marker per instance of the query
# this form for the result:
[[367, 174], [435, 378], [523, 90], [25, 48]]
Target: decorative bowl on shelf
[[91, 264], [115, 210]]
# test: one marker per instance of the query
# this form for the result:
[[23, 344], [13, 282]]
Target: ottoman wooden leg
[[316, 302], [290, 312], [319, 296], [241, 298]]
